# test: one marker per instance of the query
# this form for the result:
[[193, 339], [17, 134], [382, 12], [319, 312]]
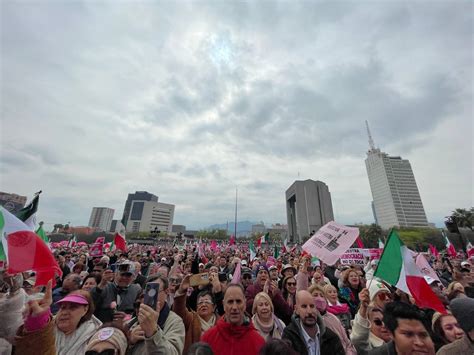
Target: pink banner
[[331, 241]]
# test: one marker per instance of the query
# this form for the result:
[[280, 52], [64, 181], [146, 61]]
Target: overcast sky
[[188, 100]]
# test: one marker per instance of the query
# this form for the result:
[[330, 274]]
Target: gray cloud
[[196, 99]]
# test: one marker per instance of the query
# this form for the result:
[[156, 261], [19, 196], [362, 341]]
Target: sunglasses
[[246, 277], [384, 296], [291, 283], [378, 322], [103, 352]]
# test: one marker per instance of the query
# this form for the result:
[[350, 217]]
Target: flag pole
[[386, 242], [235, 220]]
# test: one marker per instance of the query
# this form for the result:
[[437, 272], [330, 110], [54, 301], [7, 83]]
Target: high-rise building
[[137, 196], [12, 202], [149, 216], [396, 199], [308, 208], [116, 227], [101, 218]]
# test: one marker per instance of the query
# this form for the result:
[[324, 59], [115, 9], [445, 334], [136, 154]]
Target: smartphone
[[222, 276], [151, 294], [124, 268], [199, 279]]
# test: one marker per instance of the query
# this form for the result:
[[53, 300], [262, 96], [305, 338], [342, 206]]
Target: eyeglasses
[[378, 322], [204, 302], [246, 277], [103, 352], [291, 283]]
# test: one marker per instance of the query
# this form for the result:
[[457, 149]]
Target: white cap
[[244, 262]]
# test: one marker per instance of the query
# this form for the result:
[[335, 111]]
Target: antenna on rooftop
[[371, 141]]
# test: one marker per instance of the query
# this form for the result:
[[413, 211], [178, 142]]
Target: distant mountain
[[243, 227]]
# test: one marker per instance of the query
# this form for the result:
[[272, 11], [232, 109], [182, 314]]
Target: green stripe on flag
[[3, 254], [391, 261]]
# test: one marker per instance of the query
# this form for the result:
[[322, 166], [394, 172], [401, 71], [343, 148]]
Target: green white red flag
[[119, 242], [25, 250], [397, 267]]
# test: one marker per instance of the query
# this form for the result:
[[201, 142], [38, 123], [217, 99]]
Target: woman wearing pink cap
[[67, 333]]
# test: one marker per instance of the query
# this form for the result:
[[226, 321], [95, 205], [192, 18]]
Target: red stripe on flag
[[423, 294]]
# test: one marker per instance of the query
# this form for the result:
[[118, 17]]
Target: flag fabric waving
[[42, 234], [72, 241], [381, 245], [119, 242], [253, 252], [397, 267], [28, 213], [263, 239], [469, 249], [359, 243], [25, 250], [449, 247]]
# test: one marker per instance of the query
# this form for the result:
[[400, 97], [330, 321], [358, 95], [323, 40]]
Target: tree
[[463, 217]]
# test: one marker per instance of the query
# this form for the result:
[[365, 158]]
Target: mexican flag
[[276, 252], [28, 213], [381, 245], [119, 242], [397, 267], [449, 247], [263, 239], [253, 252], [42, 234], [72, 242], [24, 250]]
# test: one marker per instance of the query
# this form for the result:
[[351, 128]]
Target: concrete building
[[148, 216], [178, 228], [116, 227], [137, 196], [12, 202], [258, 228], [101, 218], [308, 208], [396, 199]]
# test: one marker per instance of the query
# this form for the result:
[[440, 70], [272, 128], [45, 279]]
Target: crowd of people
[[172, 299]]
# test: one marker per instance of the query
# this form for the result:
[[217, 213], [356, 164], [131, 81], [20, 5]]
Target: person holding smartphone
[[114, 300], [156, 329]]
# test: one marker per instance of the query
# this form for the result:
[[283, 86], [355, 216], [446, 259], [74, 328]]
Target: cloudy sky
[[188, 100]]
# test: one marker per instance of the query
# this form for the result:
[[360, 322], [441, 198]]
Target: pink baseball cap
[[75, 298]]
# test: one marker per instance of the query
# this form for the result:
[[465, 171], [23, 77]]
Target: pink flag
[[236, 276], [433, 250], [213, 245]]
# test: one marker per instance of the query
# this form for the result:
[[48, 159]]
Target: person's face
[[174, 282], [246, 280], [288, 272], [262, 277], [61, 260], [458, 287], [264, 309], [234, 306], [69, 285], [354, 279], [382, 299], [205, 306], [123, 279], [332, 295], [377, 326], [306, 310], [451, 328], [274, 274], [67, 258], [291, 285], [89, 284], [82, 259], [69, 316], [412, 338], [317, 277], [201, 269], [222, 262]]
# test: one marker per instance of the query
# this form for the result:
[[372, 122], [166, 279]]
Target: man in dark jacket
[[307, 332]]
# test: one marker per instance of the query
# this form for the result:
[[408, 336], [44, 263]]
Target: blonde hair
[[257, 298], [451, 286], [328, 287], [313, 288]]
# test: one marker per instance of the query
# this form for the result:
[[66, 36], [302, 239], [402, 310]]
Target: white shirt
[[312, 344]]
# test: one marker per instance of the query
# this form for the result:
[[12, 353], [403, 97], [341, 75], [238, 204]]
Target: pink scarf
[[338, 309]]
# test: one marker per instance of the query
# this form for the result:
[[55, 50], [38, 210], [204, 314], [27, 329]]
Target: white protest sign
[[353, 257], [331, 241]]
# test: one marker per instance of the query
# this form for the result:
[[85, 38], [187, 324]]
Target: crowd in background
[[288, 304]]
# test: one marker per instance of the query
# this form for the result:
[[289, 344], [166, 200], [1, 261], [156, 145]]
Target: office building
[[12, 202], [137, 196], [396, 199], [117, 227], [150, 216], [101, 218], [308, 208]]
